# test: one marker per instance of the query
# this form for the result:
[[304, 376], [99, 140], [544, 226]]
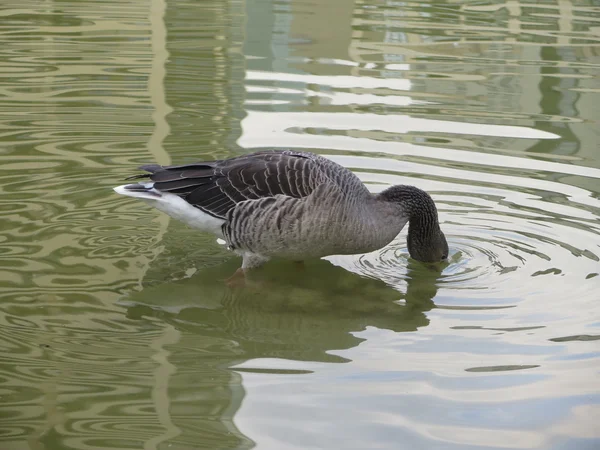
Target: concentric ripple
[[497, 247]]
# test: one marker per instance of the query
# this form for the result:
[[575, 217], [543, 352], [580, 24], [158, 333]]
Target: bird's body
[[282, 204]]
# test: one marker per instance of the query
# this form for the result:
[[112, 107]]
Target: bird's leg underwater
[[241, 280], [240, 276], [238, 279]]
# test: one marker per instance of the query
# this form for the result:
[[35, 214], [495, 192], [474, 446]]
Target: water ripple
[[113, 335]]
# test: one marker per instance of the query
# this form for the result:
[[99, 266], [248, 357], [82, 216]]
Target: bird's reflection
[[288, 313], [291, 315]]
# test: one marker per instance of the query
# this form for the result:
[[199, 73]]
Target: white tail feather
[[150, 195], [176, 207]]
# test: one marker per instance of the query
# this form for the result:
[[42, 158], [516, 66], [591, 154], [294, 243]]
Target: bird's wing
[[217, 186]]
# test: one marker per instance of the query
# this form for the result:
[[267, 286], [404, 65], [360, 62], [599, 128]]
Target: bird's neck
[[415, 206]]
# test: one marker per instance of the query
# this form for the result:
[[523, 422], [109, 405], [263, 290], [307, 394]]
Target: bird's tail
[[139, 190]]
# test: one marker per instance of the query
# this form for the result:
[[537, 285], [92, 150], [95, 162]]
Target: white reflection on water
[[400, 386], [261, 122], [341, 81]]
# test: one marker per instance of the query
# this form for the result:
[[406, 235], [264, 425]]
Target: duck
[[290, 205]]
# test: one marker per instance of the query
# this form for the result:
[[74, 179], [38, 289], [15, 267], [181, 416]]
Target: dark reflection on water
[[317, 307], [300, 316]]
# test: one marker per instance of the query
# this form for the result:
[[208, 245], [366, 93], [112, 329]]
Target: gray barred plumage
[[292, 205]]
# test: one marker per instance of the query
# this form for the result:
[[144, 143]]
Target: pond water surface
[[116, 329]]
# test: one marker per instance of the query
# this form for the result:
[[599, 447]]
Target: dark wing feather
[[217, 186]]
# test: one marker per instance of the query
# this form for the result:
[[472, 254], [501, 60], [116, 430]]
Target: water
[[116, 329]]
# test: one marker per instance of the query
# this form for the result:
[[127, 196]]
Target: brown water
[[116, 329]]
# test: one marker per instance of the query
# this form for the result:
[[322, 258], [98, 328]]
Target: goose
[[290, 205]]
